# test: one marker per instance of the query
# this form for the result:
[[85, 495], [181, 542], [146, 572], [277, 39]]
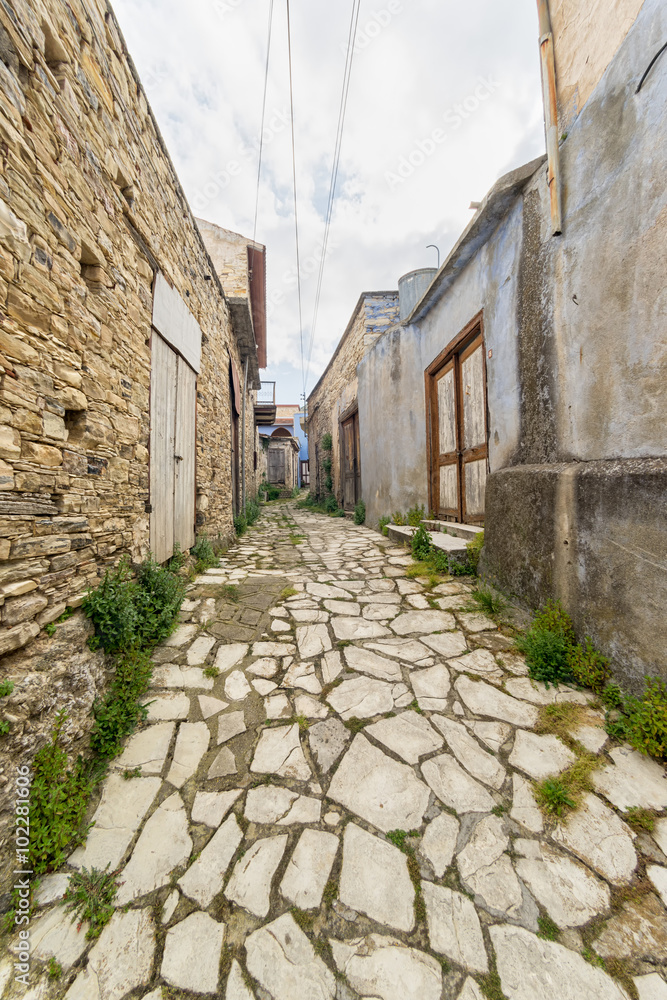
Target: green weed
[[474, 549], [211, 671], [204, 554], [360, 513], [382, 525], [355, 725], [6, 688], [58, 800], [288, 592], [119, 712], [554, 797], [326, 443], [548, 930], [420, 544], [488, 602], [399, 837], [89, 896], [55, 969], [414, 705], [640, 819]]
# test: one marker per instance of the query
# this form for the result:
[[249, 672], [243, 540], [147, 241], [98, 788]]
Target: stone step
[[448, 543], [467, 531]]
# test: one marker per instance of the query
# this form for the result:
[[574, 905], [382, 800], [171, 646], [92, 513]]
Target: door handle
[[179, 458]]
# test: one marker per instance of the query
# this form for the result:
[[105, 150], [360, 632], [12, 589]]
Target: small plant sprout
[[89, 896]]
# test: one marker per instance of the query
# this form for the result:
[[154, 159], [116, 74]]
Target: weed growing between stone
[[382, 525], [360, 513], [6, 688], [52, 627], [89, 896], [119, 712], [420, 544], [642, 722], [548, 930], [553, 796], [486, 601], [491, 986], [58, 800], [204, 554], [355, 725], [554, 657], [55, 969], [640, 819], [288, 592], [211, 671]]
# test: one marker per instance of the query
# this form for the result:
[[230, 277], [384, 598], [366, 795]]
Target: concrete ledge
[[594, 536], [467, 531], [402, 533]]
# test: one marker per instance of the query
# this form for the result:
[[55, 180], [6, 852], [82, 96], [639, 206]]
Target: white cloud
[[417, 69]]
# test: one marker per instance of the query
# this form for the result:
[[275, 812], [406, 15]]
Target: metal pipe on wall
[[243, 409], [549, 96]]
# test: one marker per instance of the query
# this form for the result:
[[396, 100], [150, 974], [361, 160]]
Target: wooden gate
[[172, 454], [350, 460], [457, 428]]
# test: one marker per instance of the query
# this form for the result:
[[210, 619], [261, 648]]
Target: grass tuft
[[89, 896], [548, 930]]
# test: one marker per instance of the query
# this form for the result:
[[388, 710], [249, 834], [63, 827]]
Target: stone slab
[[600, 838], [485, 700], [478, 762], [439, 842], [281, 958], [357, 628], [361, 698], [409, 735], [229, 726], [191, 745], [250, 884], [223, 764], [211, 808], [454, 928], [120, 961], [309, 868], [192, 952], [117, 818], [384, 968], [229, 655], [540, 756], [147, 749], [327, 741], [378, 788], [375, 880], [633, 780], [454, 786], [570, 894], [168, 708], [366, 662], [203, 879], [164, 844], [533, 969], [422, 622], [431, 687], [279, 751]]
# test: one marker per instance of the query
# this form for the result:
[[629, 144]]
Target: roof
[[492, 209], [355, 312]]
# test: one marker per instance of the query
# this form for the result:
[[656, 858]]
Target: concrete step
[[448, 543], [467, 531]]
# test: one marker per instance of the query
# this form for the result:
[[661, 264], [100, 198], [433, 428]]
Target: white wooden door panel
[[184, 446], [163, 407]]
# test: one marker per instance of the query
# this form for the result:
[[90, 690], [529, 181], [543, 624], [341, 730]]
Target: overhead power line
[[261, 131], [296, 214], [354, 20]]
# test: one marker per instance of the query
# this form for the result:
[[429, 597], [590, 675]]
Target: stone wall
[[91, 210], [336, 390]]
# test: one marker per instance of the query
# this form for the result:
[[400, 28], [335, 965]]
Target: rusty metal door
[[350, 462], [456, 402]]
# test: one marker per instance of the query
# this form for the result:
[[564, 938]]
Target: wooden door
[[456, 398], [351, 467], [184, 456], [474, 450], [172, 452], [276, 465]]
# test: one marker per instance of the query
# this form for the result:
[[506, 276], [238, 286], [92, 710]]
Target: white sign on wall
[[175, 323]]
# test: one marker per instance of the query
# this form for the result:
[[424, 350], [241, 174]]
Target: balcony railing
[[267, 393]]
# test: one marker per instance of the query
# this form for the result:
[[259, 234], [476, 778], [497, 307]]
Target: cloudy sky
[[444, 99]]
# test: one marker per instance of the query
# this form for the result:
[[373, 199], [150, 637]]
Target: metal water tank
[[411, 289]]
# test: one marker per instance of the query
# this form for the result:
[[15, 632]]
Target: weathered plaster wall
[[336, 391], [586, 37], [593, 371], [392, 414]]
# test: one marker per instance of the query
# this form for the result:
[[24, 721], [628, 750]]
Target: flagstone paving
[[347, 712]]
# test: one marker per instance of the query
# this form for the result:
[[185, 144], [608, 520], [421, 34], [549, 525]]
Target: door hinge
[[148, 507]]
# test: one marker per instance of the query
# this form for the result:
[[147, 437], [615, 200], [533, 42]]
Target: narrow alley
[[332, 798]]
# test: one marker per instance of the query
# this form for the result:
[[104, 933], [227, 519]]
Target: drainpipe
[[550, 113], [245, 394]]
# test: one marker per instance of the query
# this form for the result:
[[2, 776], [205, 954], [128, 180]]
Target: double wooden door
[[456, 397], [172, 454], [351, 462]]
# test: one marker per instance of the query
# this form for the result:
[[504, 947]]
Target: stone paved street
[[350, 703]]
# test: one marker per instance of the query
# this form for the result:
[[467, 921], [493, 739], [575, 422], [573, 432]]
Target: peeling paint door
[[456, 397], [350, 462], [276, 465], [172, 451]]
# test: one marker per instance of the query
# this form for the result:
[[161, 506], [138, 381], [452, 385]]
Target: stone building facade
[[333, 401], [103, 273]]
